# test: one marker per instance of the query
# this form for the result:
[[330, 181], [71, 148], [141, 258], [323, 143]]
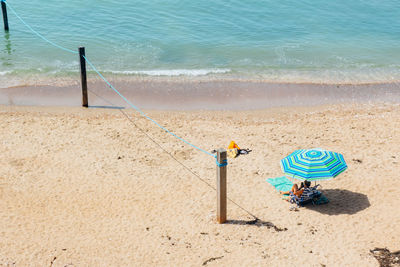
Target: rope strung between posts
[[110, 85], [141, 112], [35, 32], [222, 164], [174, 158]]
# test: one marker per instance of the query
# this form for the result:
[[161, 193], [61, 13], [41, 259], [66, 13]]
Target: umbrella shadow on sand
[[342, 201]]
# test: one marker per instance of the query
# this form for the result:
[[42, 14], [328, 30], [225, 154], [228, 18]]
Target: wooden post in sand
[[5, 18], [83, 77], [221, 185]]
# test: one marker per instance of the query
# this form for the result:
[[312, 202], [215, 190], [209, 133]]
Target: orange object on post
[[233, 145]]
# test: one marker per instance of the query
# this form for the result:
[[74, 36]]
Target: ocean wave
[[2, 73], [175, 72], [63, 77]]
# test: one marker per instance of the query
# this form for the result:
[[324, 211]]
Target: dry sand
[[85, 187]]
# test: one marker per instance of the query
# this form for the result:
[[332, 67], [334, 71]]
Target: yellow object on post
[[232, 152], [233, 145]]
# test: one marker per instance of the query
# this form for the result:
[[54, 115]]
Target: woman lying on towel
[[296, 190]]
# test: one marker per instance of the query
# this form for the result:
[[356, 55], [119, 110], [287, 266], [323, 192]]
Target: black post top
[[5, 18]]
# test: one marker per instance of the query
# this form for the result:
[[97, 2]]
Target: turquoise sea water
[[285, 41]]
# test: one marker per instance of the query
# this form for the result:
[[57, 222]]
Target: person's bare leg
[[295, 188]]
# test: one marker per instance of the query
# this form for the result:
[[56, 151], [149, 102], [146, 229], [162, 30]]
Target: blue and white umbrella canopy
[[313, 164]]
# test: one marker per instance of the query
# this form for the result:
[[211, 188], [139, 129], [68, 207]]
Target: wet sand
[[209, 95]]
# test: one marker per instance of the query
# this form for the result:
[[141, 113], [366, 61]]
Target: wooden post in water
[[221, 185], [5, 18], [83, 77]]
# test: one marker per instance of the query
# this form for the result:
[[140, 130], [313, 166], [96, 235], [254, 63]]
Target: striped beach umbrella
[[313, 164]]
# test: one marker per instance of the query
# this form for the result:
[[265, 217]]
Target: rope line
[[141, 112], [172, 156], [108, 83], [35, 32], [224, 163]]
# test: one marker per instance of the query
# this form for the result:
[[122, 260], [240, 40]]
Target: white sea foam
[[2, 73], [175, 72]]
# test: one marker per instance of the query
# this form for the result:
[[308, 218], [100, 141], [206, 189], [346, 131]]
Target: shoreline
[[209, 95], [73, 77]]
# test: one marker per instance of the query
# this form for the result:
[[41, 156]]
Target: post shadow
[[110, 106], [341, 201], [107, 107], [258, 223]]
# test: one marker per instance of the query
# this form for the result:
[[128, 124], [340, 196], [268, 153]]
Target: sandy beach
[[109, 186], [86, 187]]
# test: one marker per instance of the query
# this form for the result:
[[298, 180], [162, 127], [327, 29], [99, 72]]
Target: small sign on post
[[83, 77], [5, 18], [221, 185]]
